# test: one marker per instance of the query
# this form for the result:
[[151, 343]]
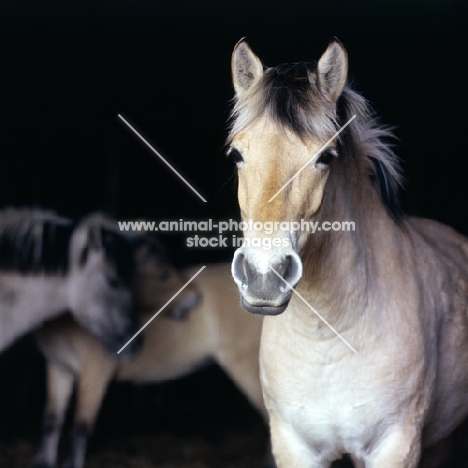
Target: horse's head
[[101, 271], [282, 120], [157, 281]]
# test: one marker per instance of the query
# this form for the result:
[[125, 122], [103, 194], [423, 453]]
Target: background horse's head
[[101, 272], [283, 141], [157, 280]]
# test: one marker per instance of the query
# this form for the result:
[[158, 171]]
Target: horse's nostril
[[238, 268], [286, 266], [292, 270]]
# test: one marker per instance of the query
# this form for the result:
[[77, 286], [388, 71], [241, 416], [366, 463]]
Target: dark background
[[68, 69]]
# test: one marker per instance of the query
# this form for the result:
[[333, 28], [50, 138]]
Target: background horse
[[48, 266], [216, 329], [391, 376]]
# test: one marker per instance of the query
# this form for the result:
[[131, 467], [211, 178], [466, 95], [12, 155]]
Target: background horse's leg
[[59, 390], [243, 369], [91, 388]]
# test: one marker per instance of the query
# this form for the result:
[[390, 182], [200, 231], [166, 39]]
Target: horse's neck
[[27, 301], [345, 275]]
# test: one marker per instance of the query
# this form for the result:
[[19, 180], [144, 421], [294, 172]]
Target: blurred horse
[[48, 265], [215, 329], [368, 355]]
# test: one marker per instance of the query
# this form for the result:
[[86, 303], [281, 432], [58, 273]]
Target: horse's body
[[48, 266], [216, 329], [396, 289]]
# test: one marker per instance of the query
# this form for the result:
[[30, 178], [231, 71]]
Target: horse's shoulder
[[443, 241], [437, 231]]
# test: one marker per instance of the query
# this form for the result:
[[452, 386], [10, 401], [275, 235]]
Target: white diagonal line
[[160, 157], [312, 158], [314, 310], [161, 309]]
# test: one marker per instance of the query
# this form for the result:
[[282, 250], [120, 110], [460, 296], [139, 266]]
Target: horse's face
[[156, 281], [282, 178], [272, 157], [100, 284]]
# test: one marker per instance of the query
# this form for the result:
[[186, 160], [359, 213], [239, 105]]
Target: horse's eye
[[235, 155], [164, 276], [325, 158], [114, 283]]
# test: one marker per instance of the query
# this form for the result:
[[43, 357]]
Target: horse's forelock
[[290, 96]]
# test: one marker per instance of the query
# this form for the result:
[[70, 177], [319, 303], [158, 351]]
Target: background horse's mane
[[290, 95], [103, 234], [34, 241], [119, 246]]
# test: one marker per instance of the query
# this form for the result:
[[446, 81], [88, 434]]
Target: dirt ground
[[201, 421], [160, 450]]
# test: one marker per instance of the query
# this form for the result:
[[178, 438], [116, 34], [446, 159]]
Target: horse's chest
[[323, 405], [336, 403]]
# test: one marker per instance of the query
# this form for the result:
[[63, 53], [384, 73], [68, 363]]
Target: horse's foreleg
[[400, 448], [290, 451], [91, 388], [59, 389]]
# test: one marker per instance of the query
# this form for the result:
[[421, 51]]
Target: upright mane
[[103, 233], [34, 241], [290, 95]]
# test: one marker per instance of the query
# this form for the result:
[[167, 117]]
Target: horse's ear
[[246, 67], [332, 70]]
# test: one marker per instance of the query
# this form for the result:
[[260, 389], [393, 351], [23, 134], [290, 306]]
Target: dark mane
[[293, 103], [123, 249], [290, 95], [102, 233], [286, 96], [371, 142], [34, 241]]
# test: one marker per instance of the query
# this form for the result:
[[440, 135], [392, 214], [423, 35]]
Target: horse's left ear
[[332, 70], [246, 67]]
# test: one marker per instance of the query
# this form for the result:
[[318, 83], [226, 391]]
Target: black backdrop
[[68, 68]]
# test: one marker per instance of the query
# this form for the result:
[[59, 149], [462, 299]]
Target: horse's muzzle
[[265, 280], [130, 350], [264, 310]]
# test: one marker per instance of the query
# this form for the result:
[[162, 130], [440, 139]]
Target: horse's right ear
[[246, 67]]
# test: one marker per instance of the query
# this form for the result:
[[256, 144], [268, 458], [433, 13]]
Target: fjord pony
[[176, 343], [48, 265], [395, 289]]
